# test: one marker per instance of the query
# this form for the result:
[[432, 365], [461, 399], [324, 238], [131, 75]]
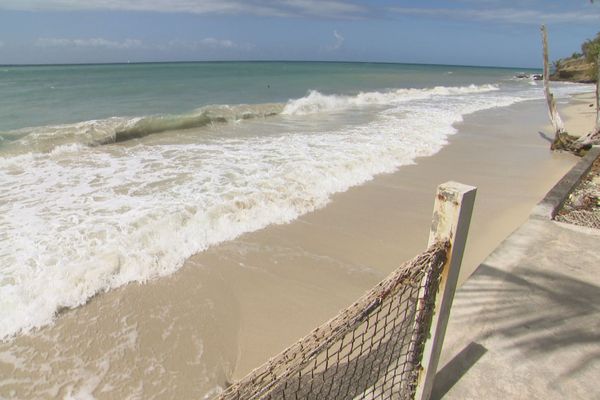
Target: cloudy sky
[[466, 32]]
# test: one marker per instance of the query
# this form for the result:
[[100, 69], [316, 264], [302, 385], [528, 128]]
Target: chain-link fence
[[371, 350]]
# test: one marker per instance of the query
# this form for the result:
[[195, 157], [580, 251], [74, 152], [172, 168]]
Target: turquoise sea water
[[118, 173], [43, 95]]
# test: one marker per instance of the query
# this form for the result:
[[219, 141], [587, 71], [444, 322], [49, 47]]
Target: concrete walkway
[[526, 324]]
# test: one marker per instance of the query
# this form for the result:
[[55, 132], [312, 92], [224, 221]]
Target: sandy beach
[[233, 306], [580, 114]]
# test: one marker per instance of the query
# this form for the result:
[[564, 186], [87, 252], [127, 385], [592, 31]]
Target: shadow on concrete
[[545, 137], [536, 312], [454, 370]]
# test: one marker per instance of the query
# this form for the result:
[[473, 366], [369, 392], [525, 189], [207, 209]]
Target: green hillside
[[580, 67]]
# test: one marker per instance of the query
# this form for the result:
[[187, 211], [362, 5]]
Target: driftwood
[[562, 139]]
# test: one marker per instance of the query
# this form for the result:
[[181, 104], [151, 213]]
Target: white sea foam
[[317, 102], [80, 220]]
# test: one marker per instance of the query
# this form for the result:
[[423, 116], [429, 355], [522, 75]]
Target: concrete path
[[526, 324]]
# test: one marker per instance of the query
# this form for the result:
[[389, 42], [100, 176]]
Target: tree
[[591, 48], [562, 140], [555, 119]]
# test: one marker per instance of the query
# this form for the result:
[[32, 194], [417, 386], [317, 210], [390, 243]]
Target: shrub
[[591, 48]]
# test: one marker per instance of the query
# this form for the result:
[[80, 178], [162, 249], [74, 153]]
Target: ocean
[[113, 174]]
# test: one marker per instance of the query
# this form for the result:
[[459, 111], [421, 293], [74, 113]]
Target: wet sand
[[231, 307]]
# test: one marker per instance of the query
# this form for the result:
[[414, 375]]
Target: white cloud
[[101, 43], [505, 15], [223, 43], [327, 8], [202, 44], [337, 44], [93, 42], [339, 40], [281, 8]]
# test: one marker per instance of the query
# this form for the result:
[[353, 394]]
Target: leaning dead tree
[[562, 139], [557, 123]]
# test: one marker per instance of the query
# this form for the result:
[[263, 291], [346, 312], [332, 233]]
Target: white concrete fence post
[[451, 219]]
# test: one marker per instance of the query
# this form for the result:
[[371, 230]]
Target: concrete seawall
[[525, 324]]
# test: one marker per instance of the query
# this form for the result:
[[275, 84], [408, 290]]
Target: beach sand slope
[[233, 306]]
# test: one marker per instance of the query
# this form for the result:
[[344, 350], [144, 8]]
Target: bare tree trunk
[[552, 111], [562, 140]]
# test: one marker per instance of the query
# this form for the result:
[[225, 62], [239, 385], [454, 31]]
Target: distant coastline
[[580, 67], [574, 69]]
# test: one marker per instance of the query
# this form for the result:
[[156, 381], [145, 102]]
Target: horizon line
[[257, 61]]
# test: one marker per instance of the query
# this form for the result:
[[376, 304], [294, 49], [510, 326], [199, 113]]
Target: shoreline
[[376, 237], [236, 304]]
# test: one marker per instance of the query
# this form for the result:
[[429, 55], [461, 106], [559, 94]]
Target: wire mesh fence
[[371, 350]]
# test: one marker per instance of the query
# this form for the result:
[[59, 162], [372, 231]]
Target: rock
[[578, 200]]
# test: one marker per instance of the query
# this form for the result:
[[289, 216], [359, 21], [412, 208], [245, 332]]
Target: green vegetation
[[591, 48], [580, 67]]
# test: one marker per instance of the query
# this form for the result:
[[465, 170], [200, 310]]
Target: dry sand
[[231, 307], [580, 114]]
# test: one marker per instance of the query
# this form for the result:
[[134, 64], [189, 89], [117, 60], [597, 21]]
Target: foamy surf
[[318, 102], [78, 220], [121, 129]]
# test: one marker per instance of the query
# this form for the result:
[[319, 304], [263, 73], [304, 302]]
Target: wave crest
[[316, 102], [120, 129]]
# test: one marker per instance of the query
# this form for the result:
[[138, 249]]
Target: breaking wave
[[121, 129], [316, 102], [78, 218]]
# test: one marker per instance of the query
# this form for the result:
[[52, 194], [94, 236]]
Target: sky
[[462, 32]]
